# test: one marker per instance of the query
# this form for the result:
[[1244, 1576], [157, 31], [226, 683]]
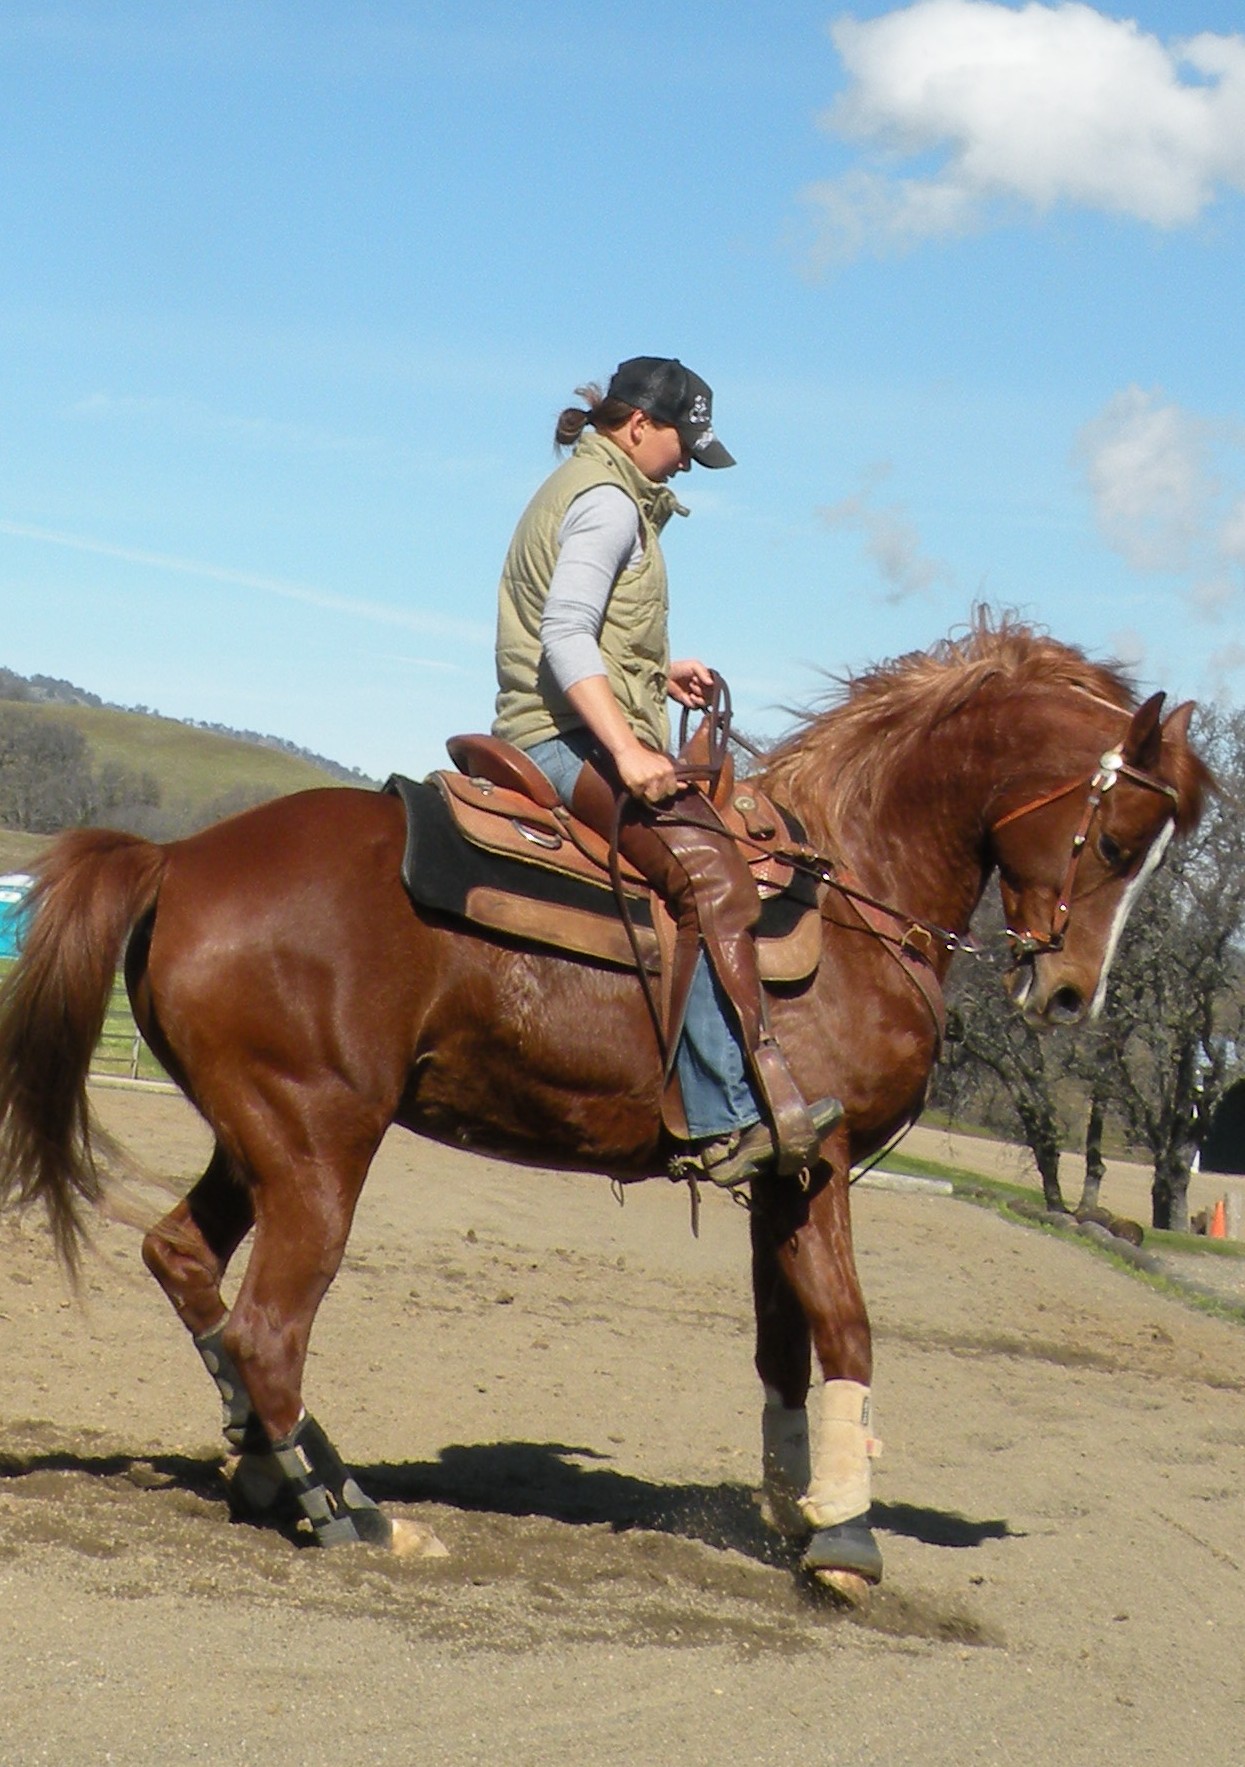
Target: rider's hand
[[690, 683], [646, 773]]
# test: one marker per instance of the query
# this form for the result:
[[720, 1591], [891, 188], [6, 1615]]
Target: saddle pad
[[532, 899], [451, 875]]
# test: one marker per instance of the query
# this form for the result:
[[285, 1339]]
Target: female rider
[[584, 671]]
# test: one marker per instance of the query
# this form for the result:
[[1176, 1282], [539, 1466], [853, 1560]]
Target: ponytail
[[603, 413]]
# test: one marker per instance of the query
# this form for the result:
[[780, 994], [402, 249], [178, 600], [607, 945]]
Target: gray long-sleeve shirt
[[599, 537]]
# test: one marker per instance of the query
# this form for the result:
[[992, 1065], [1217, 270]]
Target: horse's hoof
[[848, 1548], [415, 1540], [847, 1589]]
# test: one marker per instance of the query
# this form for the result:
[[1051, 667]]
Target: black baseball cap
[[672, 394]]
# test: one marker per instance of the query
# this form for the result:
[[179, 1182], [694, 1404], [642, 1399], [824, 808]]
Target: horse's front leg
[[783, 1358], [816, 1470]]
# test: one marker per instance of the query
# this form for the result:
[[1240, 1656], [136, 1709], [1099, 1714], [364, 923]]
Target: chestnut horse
[[279, 972]]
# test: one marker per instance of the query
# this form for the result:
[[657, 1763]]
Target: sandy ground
[[563, 1388]]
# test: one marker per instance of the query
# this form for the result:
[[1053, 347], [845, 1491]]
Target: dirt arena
[[563, 1389]]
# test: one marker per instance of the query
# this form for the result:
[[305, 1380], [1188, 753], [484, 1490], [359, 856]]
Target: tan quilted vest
[[634, 639]]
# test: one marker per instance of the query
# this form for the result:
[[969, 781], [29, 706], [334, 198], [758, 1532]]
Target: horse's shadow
[[553, 1480], [550, 1479]]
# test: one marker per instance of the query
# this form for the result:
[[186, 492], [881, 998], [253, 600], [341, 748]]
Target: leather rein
[[919, 935], [915, 936]]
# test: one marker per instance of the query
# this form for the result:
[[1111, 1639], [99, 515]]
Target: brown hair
[[602, 413]]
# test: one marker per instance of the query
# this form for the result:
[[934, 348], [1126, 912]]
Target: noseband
[[1111, 768]]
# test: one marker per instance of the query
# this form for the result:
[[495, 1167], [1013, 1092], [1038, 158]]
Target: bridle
[[1111, 768]]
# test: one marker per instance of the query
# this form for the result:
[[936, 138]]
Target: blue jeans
[[713, 1076]]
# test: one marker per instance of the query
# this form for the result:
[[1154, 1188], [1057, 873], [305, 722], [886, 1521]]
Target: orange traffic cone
[[1219, 1222]]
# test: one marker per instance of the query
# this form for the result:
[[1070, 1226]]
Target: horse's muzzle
[[1044, 1008]]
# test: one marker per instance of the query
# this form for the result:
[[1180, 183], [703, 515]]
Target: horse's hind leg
[[283, 1468], [807, 1290], [304, 1206], [188, 1252]]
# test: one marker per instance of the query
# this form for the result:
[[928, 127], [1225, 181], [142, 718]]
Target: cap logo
[[703, 440], [699, 412]]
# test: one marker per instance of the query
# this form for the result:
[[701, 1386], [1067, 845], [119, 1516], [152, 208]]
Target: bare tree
[[47, 782], [1175, 1013], [996, 1070], [45, 776]]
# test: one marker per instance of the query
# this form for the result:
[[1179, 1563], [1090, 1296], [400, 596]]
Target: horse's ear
[[1176, 724], [1144, 742]]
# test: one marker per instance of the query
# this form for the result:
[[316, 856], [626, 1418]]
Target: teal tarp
[[12, 904]]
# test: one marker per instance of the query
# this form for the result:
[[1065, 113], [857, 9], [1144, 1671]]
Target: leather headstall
[[1111, 768]]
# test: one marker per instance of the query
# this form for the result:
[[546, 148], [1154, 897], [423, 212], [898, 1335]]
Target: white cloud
[[1148, 474], [1168, 490], [890, 536], [1232, 534], [1213, 595], [1029, 106], [1228, 660]]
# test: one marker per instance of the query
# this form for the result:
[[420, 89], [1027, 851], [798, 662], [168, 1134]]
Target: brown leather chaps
[[682, 849]]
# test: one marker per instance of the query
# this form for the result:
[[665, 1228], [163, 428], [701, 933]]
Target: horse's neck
[[921, 848], [918, 842]]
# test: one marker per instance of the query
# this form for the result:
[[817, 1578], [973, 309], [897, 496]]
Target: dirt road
[[563, 1388]]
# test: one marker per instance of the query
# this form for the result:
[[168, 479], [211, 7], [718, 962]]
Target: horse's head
[[1073, 859]]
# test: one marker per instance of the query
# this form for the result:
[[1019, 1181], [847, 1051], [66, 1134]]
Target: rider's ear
[[1143, 744]]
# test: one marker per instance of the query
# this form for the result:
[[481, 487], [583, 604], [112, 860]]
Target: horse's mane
[[841, 757]]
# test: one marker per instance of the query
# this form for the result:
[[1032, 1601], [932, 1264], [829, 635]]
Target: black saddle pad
[[440, 867]]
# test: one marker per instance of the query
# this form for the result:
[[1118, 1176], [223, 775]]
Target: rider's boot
[[686, 854]]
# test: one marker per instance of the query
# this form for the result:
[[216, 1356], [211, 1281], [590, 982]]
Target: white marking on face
[[1127, 900]]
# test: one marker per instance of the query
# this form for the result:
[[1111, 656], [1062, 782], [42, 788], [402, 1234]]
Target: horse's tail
[[90, 889]]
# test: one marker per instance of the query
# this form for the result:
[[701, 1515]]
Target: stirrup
[[823, 1115], [733, 1159], [796, 1124]]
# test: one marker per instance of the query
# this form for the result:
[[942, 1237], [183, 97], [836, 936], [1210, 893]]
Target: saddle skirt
[[492, 844]]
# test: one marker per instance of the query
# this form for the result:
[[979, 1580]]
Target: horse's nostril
[[1065, 1006]]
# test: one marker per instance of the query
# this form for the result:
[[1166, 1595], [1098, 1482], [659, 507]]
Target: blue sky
[[291, 296]]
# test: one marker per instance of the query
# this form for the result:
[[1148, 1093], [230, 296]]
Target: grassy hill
[[192, 766], [200, 773]]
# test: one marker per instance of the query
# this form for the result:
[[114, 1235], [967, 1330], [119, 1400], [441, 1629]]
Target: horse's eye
[[1109, 851]]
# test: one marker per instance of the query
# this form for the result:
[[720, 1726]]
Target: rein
[[805, 858], [918, 935], [1111, 768]]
